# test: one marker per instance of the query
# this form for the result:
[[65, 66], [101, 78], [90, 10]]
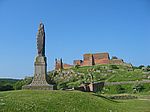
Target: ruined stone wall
[[90, 60], [67, 66], [117, 61], [77, 62], [58, 64], [87, 60], [101, 58], [95, 59], [102, 61]]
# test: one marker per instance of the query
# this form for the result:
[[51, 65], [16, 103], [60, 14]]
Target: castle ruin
[[90, 60]]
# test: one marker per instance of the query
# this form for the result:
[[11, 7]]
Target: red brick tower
[[58, 64]]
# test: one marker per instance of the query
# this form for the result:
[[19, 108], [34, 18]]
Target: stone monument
[[39, 81]]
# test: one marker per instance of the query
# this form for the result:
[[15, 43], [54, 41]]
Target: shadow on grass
[[106, 98]]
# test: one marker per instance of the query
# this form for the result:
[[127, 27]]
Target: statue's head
[[41, 26]]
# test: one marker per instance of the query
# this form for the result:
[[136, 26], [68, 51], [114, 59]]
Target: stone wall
[[77, 62], [67, 66], [117, 61], [90, 60], [91, 87], [87, 60], [93, 59], [58, 64], [101, 58]]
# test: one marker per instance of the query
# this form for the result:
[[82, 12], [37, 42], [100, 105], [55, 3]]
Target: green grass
[[122, 73], [66, 101], [126, 76], [126, 88]]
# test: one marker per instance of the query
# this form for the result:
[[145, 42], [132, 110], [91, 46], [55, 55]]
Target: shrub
[[141, 66], [6, 88], [138, 88], [73, 84], [114, 67], [114, 57], [18, 85], [120, 89]]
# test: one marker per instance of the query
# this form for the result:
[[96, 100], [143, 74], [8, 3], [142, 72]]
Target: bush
[[141, 66], [61, 86], [114, 57], [6, 88], [73, 84], [138, 88], [18, 85], [114, 67], [120, 89]]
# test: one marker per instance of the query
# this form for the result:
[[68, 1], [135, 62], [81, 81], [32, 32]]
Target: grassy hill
[[75, 76], [67, 101]]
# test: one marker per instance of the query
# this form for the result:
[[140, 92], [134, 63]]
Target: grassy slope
[[120, 74], [65, 101]]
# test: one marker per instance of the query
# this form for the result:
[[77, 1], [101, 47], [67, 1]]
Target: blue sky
[[73, 27]]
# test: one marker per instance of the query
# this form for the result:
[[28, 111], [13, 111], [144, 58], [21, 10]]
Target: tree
[[6, 88], [141, 66], [114, 57], [18, 85], [148, 66]]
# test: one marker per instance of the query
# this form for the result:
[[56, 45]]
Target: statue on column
[[41, 40], [39, 81]]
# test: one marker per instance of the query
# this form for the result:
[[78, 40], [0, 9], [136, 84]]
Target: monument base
[[39, 81], [38, 87]]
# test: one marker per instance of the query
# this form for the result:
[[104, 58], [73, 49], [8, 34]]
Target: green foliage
[[18, 85], [97, 73], [138, 88], [73, 84], [7, 81], [127, 88], [114, 67], [141, 66], [116, 89], [120, 89], [75, 76], [122, 75], [148, 66], [62, 86], [6, 88], [77, 66], [7, 84], [114, 57]]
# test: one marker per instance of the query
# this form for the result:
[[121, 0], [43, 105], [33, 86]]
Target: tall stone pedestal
[[39, 81]]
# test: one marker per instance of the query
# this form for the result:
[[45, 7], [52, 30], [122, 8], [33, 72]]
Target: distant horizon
[[73, 28]]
